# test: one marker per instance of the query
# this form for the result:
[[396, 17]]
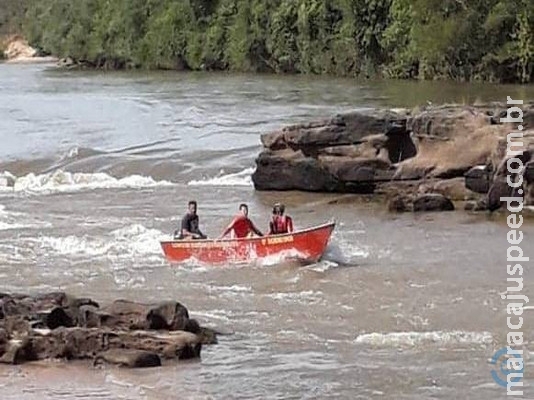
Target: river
[[401, 306]]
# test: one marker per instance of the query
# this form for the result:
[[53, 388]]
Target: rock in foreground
[[55, 325]]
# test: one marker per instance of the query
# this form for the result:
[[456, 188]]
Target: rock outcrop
[[17, 50], [453, 151], [55, 325]]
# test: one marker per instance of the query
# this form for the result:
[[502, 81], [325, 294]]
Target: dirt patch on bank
[[16, 49]]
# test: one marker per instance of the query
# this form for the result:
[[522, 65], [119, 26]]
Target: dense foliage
[[11, 14], [489, 40]]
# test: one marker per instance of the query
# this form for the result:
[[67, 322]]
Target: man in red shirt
[[280, 223], [241, 224]]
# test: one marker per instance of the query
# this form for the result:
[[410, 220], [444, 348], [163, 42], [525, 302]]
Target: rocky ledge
[[425, 159], [55, 325]]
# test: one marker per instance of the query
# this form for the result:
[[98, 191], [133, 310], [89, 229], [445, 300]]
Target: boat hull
[[307, 245]]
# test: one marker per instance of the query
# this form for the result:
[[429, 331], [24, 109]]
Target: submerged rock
[[7, 179], [403, 202], [130, 358], [399, 203]]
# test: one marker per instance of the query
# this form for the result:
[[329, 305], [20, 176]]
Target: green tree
[[426, 39]]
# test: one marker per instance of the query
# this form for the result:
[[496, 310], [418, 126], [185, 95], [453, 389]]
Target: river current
[[401, 306]]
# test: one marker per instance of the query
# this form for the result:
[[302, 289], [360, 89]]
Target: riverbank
[[421, 159]]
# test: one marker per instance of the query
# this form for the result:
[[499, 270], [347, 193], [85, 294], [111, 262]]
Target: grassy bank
[[487, 40]]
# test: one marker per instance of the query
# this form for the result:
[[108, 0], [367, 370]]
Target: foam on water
[[308, 297], [139, 239], [4, 226], [322, 266], [395, 339], [233, 288], [345, 253], [74, 245], [61, 182], [345, 248], [279, 258], [9, 220], [132, 240], [241, 178], [8, 214]]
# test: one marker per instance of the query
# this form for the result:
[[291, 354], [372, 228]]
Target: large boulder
[[342, 129], [357, 175], [169, 315], [399, 203], [289, 170], [478, 179], [347, 153], [499, 189], [432, 202]]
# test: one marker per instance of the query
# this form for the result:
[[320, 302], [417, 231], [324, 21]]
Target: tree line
[[465, 40]]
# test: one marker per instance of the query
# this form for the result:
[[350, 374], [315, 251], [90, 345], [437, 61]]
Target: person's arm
[[254, 229], [271, 227], [289, 224], [199, 232], [228, 229]]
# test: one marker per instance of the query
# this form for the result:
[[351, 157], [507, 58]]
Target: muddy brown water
[[401, 306]]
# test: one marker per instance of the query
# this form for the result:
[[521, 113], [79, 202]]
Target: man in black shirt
[[189, 228]]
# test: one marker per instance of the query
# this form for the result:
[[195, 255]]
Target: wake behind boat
[[306, 245]]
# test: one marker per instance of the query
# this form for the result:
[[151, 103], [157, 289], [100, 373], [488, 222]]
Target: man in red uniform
[[280, 223], [241, 224]]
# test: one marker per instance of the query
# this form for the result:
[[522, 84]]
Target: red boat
[[307, 245]]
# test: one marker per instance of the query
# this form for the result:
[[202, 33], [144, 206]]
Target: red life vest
[[280, 224]]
